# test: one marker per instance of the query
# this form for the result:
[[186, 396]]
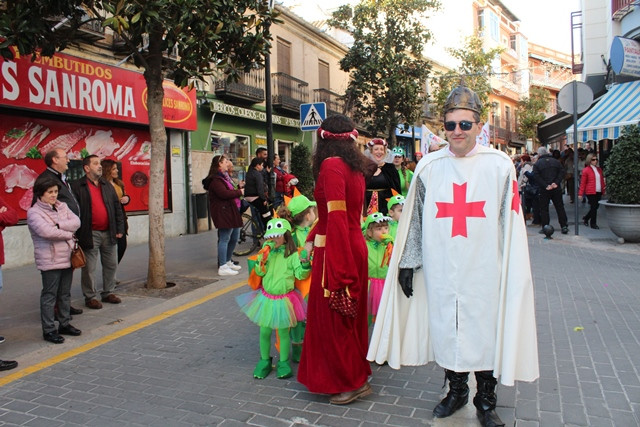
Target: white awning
[[616, 109]]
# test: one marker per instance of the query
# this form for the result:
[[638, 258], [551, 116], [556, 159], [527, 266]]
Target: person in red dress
[[335, 346]]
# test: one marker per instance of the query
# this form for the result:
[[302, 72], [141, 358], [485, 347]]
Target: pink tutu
[[273, 311], [375, 293]]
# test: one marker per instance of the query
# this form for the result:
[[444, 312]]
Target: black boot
[[457, 397], [485, 400]]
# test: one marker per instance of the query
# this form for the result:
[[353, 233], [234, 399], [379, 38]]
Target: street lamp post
[[269, 113]]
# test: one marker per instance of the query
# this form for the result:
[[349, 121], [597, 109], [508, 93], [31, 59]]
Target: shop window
[[234, 147]]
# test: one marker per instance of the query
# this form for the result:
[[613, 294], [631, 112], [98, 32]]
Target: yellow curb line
[[100, 341]]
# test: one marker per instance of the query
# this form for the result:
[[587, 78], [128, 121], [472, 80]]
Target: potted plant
[[622, 174]]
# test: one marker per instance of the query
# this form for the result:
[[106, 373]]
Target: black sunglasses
[[464, 125]]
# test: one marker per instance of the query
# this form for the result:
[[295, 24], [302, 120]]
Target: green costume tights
[[283, 368]]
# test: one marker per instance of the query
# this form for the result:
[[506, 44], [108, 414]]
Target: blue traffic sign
[[312, 115]]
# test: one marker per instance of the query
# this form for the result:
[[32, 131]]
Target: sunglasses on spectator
[[594, 160], [464, 125]]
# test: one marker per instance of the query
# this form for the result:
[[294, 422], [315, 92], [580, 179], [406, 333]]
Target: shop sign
[[24, 141], [246, 113], [625, 56], [70, 85]]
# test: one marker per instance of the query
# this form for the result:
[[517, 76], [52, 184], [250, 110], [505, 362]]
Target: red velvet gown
[[335, 347]]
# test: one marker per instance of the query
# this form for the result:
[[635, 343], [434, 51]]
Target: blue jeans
[[227, 239]]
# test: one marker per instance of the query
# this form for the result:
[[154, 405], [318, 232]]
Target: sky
[[543, 22]]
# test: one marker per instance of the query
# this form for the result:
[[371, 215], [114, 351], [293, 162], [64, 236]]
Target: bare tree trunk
[[156, 276]]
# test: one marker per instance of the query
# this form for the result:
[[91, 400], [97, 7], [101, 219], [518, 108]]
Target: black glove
[[405, 278]]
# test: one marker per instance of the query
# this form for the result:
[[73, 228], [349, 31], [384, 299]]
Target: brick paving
[[195, 367]]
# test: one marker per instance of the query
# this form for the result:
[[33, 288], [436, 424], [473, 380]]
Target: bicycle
[[251, 233]]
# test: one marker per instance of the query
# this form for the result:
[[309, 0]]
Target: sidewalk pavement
[[185, 358]]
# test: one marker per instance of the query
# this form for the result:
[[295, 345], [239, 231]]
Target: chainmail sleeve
[[412, 254]]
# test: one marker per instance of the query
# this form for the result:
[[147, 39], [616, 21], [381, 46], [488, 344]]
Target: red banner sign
[[24, 141], [71, 85]]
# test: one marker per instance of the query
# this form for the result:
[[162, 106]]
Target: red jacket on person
[[588, 181]]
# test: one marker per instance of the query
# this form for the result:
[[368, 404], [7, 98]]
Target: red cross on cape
[[460, 210], [515, 201]]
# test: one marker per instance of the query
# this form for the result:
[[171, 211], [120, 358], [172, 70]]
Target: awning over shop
[[617, 108], [554, 127]]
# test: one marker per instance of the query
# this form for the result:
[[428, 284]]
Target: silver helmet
[[464, 98]]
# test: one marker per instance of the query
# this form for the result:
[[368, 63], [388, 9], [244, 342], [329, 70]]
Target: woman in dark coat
[[256, 190], [384, 178], [224, 201]]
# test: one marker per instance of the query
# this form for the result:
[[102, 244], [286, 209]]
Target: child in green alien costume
[[276, 305], [301, 213], [394, 207], [379, 246]]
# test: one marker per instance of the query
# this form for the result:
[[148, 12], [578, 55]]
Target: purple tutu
[[273, 311]]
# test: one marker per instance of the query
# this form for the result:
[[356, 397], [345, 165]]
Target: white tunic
[[473, 305]]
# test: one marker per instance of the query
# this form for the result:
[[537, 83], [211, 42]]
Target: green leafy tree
[[622, 168], [385, 61], [474, 71], [301, 168], [228, 34], [531, 111]]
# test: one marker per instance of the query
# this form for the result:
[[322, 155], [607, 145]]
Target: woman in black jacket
[[255, 190]]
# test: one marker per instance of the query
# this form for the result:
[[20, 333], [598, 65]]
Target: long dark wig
[[346, 149]]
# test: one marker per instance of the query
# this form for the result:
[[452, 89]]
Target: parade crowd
[[387, 264], [384, 265]]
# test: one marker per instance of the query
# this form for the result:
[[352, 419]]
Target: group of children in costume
[[280, 277]]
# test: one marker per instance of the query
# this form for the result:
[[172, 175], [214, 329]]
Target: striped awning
[[616, 109]]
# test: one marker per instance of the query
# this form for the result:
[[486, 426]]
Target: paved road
[[187, 359]]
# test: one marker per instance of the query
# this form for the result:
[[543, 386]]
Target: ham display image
[[16, 142], [126, 147], [26, 199], [143, 154], [17, 176], [64, 142], [101, 143]]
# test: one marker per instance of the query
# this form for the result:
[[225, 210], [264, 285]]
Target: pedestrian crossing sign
[[312, 115]]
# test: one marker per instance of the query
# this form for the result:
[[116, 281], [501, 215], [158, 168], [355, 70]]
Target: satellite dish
[[585, 97]]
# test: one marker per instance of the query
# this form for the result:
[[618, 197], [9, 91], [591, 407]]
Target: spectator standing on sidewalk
[[592, 185], [224, 205], [549, 173], [57, 164], [8, 217], [52, 224], [110, 174], [101, 225]]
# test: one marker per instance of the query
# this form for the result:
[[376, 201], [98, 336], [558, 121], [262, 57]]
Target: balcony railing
[[619, 8], [335, 102], [249, 89], [288, 92]]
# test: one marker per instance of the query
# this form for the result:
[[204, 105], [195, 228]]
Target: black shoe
[[489, 418], [585, 222], [53, 337], [69, 330], [565, 230], [5, 365], [73, 310], [457, 397], [595, 227], [1, 339]]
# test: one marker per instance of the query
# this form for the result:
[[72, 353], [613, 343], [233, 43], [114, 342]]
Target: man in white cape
[[459, 290]]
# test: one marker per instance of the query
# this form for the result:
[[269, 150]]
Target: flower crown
[[325, 134], [377, 141]]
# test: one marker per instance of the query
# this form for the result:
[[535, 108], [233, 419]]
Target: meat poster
[[24, 141]]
